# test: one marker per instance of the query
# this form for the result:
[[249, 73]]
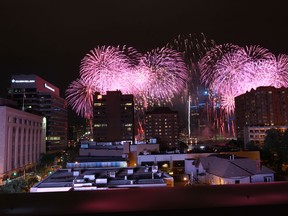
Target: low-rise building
[[227, 169], [103, 179]]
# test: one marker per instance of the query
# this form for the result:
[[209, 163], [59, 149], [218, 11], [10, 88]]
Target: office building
[[163, 124], [113, 117], [35, 95], [263, 106], [22, 140]]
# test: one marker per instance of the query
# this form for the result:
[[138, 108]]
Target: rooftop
[[102, 178]]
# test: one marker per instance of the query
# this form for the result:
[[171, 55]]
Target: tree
[[284, 147], [272, 140], [272, 151], [252, 146], [14, 186], [46, 159]]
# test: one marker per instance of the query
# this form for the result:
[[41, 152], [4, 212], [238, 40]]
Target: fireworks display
[[108, 68], [167, 74], [230, 70], [182, 70], [152, 77], [193, 47]]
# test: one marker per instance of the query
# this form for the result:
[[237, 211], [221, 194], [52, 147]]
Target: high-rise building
[[263, 106], [35, 95], [162, 123], [113, 117], [22, 140]]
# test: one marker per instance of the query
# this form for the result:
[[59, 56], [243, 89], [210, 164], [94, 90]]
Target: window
[[267, 179]]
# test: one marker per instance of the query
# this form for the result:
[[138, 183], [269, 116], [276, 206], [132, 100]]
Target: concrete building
[[103, 179], [162, 123], [263, 106], [35, 95], [110, 154], [113, 117], [257, 134], [22, 140]]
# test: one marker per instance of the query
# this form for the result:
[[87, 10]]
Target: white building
[[257, 134], [227, 169], [22, 140]]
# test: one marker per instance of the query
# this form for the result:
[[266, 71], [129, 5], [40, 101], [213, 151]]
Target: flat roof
[[99, 178]]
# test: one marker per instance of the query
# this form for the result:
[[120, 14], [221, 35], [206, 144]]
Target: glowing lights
[[49, 87], [22, 81]]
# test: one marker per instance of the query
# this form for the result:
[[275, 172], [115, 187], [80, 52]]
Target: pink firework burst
[[79, 95], [167, 74], [237, 70], [231, 70], [209, 61], [282, 70], [109, 68]]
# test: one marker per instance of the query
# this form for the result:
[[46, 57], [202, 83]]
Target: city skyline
[[50, 39]]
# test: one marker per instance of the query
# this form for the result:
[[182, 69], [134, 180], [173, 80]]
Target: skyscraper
[[113, 117], [35, 95]]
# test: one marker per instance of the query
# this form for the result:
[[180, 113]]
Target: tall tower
[[35, 95], [162, 123], [113, 117]]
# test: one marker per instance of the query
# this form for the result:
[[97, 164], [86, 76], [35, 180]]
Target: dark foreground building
[[113, 117], [191, 200]]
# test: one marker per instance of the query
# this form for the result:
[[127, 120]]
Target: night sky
[[49, 38]]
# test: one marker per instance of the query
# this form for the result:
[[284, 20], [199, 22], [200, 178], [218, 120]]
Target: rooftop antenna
[[23, 100]]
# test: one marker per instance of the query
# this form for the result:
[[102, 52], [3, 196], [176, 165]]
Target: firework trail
[[193, 47]]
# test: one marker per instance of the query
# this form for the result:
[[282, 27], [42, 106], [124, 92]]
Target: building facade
[[257, 134], [263, 106], [162, 123], [113, 117], [22, 141], [35, 95]]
